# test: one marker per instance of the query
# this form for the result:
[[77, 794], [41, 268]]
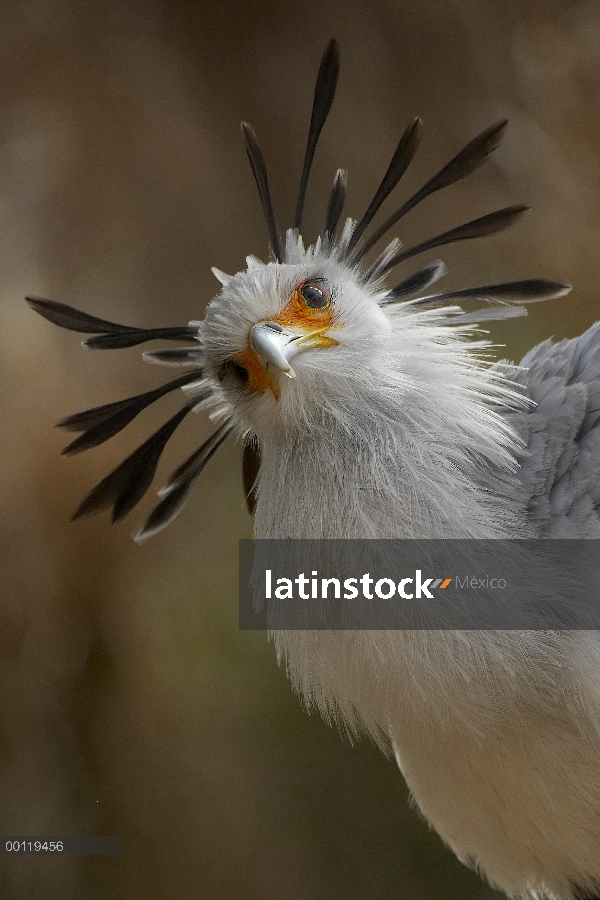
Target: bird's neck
[[398, 481], [430, 454]]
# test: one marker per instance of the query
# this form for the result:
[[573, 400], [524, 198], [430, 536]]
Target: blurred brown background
[[130, 703]]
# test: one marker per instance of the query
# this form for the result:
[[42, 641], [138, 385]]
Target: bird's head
[[279, 335], [263, 319], [311, 335]]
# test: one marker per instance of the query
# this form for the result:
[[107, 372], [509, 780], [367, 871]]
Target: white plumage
[[378, 416]]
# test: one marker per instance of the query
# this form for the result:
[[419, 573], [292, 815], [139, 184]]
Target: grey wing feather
[[560, 471]]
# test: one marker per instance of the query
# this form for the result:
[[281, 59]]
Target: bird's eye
[[236, 370], [313, 296]]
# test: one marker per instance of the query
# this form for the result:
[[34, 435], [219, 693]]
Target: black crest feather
[[250, 470], [415, 283], [125, 486], [532, 290], [181, 483], [324, 93], [120, 340], [103, 422], [476, 228], [257, 161], [402, 158], [468, 160], [67, 317], [110, 334], [335, 206]]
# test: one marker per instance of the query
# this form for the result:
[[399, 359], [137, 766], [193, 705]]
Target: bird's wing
[[560, 472]]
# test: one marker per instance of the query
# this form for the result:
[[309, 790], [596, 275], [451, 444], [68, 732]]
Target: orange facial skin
[[299, 317]]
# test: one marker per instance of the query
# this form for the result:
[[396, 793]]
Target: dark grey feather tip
[[468, 159], [415, 283], [125, 486], [532, 290], [165, 511], [250, 470], [73, 319], [476, 228], [335, 206], [180, 485], [325, 87], [110, 335], [194, 464], [259, 169]]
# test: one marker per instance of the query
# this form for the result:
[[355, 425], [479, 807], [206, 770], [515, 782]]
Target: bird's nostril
[[236, 370]]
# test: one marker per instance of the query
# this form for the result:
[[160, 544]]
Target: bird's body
[[392, 424], [496, 733]]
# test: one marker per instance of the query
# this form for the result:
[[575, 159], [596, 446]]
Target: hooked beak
[[276, 345], [272, 346]]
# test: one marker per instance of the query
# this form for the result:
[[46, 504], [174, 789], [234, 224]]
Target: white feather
[[220, 276], [403, 430]]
